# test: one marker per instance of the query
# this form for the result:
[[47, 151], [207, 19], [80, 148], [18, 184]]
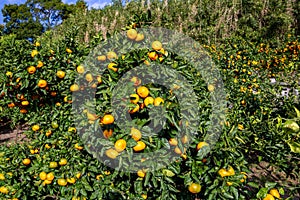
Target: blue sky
[[91, 4]]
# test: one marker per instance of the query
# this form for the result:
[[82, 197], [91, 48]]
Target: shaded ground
[[9, 135]]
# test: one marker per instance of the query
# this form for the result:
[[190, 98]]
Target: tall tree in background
[[31, 19]]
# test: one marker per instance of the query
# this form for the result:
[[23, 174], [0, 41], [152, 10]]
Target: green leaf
[[294, 146], [168, 173], [297, 112]]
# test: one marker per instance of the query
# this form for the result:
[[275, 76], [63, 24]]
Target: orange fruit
[[11, 105], [62, 182], [201, 144], [177, 150], [68, 50], [107, 119], [223, 172], [156, 45], [148, 101], [74, 88], [274, 192], [2, 177], [211, 88], [4, 190], [35, 127], [142, 91], [139, 37], [31, 69], [243, 102], [141, 173], [40, 64], [144, 196], [194, 188], [26, 161], [184, 139], [134, 98], [139, 146], [101, 58], [131, 34], [50, 176], [120, 145], [60, 74], [112, 66], [42, 83], [23, 111], [111, 153], [230, 171], [153, 55], [71, 180], [63, 162], [89, 77], [269, 197], [173, 141], [158, 101], [43, 176], [107, 133], [25, 103], [53, 165], [135, 134], [111, 55], [80, 69], [78, 147]]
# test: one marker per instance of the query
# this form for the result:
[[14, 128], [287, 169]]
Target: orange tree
[[37, 82]]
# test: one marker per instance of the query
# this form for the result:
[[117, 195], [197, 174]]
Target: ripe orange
[[158, 101], [25, 103], [42, 83], [89, 77], [23, 111], [62, 182], [120, 145], [63, 162], [111, 55], [134, 98], [43, 176], [112, 66], [144, 196], [139, 146], [143, 91], [177, 150], [173, 141], [274, 192], [107, 133], [201, 144], [223, 172], [80, 69], [68, 50], [35, 127], [148, 101], [78, 147], [156, 45], [53, 165], [31, 69], [74, 88], [108, 119], [184, 139], [153, 55], [101, 58], [2, 177], [243, 102], [211, 88], [26, 161], [11, 105], [231, 171], [4, 190], [60, 74], [50, 176], [132, 34], [269, 197], [40, 64], [141, 173], [135, 134], [111, 153], [194, 188], [71, 180], [139, 37]]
